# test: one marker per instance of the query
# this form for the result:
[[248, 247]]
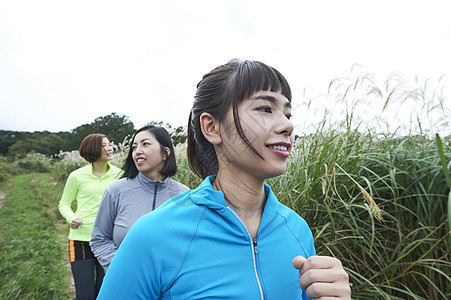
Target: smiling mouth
[[278, 147]]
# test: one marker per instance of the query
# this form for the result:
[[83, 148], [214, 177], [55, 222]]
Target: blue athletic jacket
[[194, 246]]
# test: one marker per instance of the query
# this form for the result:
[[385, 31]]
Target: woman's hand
[[75, 223], [323, 277]]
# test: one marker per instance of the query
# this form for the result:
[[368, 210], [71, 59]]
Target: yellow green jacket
[[87, 189]]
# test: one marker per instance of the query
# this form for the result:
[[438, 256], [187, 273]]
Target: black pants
[[87, 271]]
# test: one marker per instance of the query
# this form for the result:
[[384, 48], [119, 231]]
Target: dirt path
[[61, 227]]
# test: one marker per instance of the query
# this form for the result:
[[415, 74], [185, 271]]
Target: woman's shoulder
[[179, 215], [179, 207], [115, 171], [296, 224], [290, 214], [275, 203], [81, 171], [175, 185], [123, 184], [292, 217]]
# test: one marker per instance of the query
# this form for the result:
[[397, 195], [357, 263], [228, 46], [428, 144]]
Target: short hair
[[223, 88], [91, 147], [164, 139]]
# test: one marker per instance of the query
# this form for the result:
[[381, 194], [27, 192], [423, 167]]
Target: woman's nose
[[285, 126], [138, 149]]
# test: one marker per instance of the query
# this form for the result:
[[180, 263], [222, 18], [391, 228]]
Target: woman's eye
[[265, 109]]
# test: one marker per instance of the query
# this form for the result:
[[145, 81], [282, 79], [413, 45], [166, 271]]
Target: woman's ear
[[166, 153], [210, 128]]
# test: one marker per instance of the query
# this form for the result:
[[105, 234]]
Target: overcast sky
[[64, 63]]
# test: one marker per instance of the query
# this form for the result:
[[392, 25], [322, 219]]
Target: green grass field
[[32, 254]]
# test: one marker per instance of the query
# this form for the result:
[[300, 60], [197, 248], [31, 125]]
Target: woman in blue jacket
[[230, 238], [145, 185]]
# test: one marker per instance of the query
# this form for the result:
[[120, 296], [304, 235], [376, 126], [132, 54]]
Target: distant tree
[[18, 143], [67, 140], [178, 134], [161, 124], [116, 127], [7, 138], [41, 142]]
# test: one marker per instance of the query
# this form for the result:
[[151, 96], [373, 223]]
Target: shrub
[[34, 162], [68, 161], [120, 153], [7, 169]]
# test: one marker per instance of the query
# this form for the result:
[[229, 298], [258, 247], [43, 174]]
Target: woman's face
[[265, 122], [107, 150], [146, 154]]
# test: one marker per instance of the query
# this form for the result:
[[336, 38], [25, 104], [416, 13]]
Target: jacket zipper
[[155, 196], [254, 251]]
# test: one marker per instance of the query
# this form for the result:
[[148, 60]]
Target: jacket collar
[[149, 184], [206, 195], [89, 167]]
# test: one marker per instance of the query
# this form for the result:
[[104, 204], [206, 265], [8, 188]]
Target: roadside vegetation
[[378, 205]]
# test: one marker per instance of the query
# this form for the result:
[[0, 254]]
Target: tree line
[[117, 127]]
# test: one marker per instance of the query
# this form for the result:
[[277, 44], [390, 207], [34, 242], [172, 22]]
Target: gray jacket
[[124, 202]]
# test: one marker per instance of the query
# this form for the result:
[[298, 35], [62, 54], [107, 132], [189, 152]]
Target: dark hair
[[164, 139], [223, 88], [91, 147]]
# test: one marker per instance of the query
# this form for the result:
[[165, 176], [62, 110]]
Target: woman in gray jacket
[[145, 185]]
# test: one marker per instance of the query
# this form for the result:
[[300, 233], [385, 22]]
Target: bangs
[[253, 76]]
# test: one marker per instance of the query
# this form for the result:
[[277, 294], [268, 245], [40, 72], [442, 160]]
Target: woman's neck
[[245, 195], [99, 168], [155, 176]]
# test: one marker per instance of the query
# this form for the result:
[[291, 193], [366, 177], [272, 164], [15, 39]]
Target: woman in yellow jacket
[[86, 185]]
